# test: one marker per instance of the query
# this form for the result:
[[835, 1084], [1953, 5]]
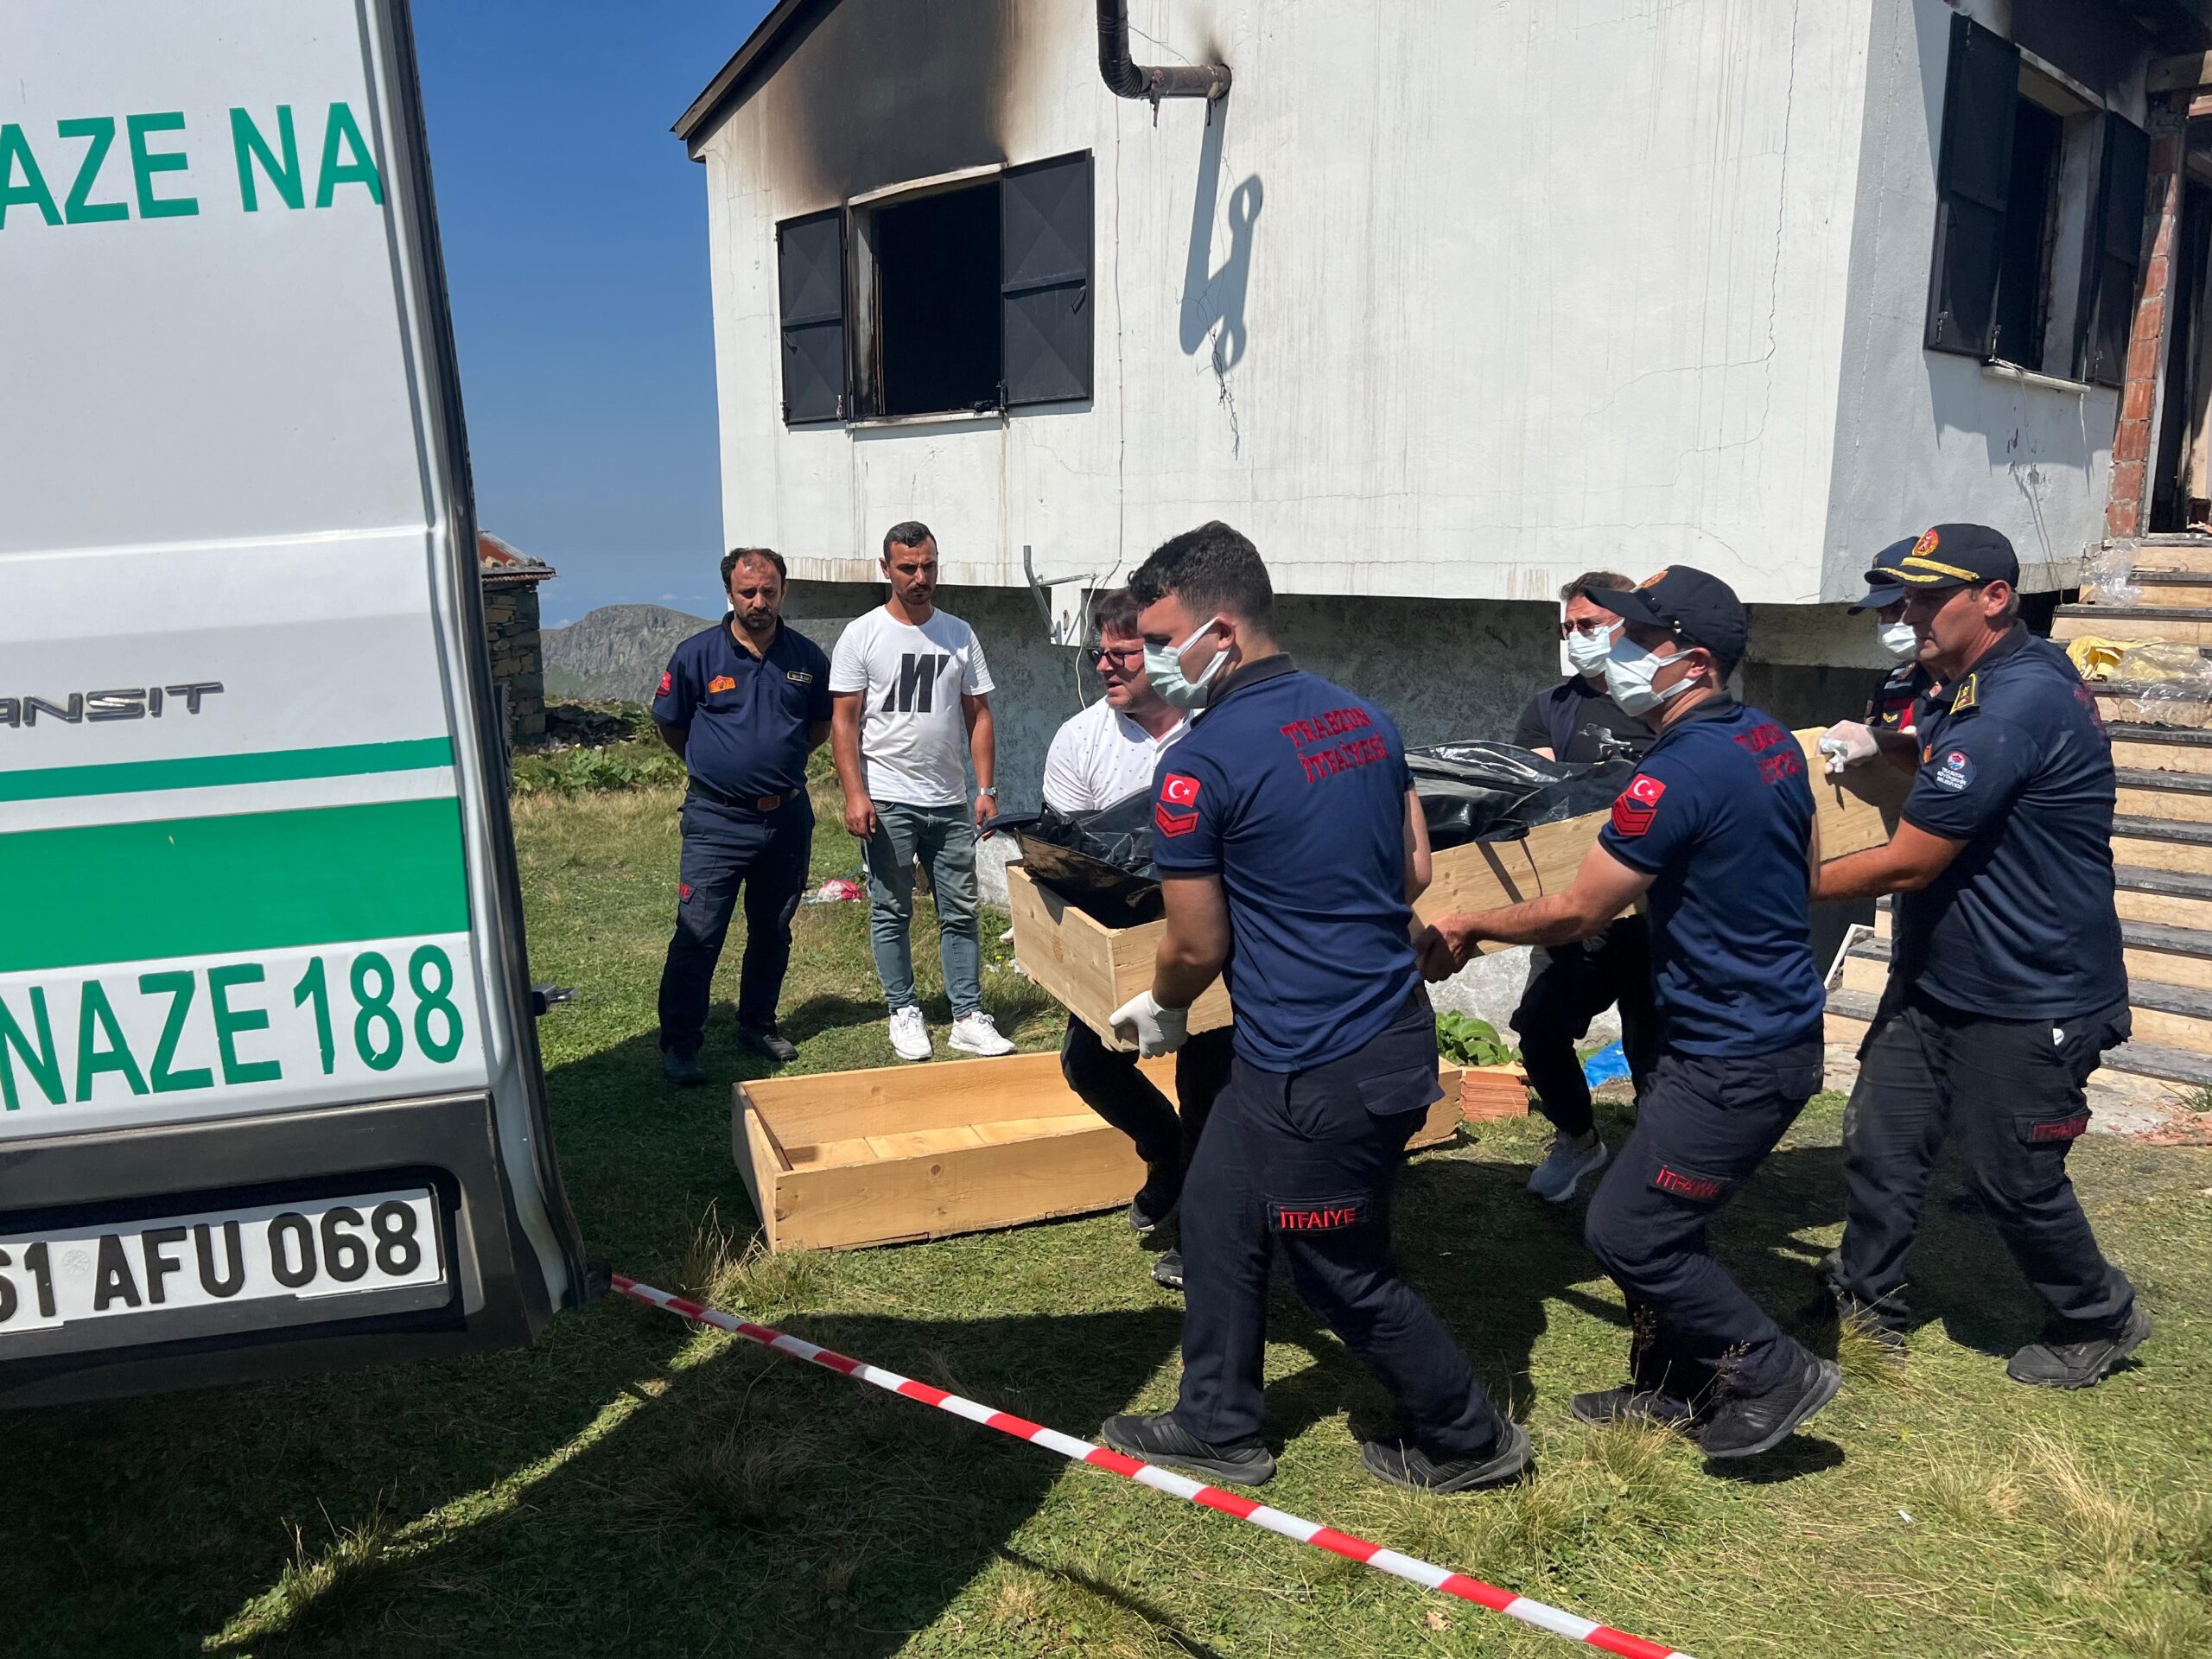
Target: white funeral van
[[272, 1099]]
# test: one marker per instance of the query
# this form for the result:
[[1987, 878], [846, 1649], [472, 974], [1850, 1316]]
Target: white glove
[[1155, 1030], [1847, 743]]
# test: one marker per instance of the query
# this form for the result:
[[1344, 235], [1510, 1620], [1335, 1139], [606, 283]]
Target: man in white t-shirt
[[912, 697], [1100, 757]]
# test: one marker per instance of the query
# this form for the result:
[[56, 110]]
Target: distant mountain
[[617, 651]]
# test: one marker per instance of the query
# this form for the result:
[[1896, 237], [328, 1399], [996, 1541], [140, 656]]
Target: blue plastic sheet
[[1608, 1065]]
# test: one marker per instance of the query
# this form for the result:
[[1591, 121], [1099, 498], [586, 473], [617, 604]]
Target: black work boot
[[1156, 1200], [1650, 1407], [767, 1041], [682, 1069], [1401, 1462], [1167, 1270], [1161, 1439], [2063, 1358], [1742, 1424], [1833, 1304]]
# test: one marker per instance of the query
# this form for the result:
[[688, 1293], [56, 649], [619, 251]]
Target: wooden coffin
[[847, 1159], [1088, 967]]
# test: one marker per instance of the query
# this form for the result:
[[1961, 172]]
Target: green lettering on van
[[230, 1021], [79, 209], [179, 986], [360, 170], [40, 1062], [15, 154], [96, 1018], [247, 140], [144, 163]]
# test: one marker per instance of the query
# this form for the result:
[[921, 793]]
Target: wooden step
[[1849, 1012], [2187, 625], [2159, 748], [2158, 590], [2162, 844], [2176, 552], [2165, 896], [2145, 793], [2179, 1016]]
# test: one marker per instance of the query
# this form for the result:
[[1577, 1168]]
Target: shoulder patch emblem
[[1178, 790], [720, 682], [1967, 695], [1956, 771], [667, 683], [1637, 804]]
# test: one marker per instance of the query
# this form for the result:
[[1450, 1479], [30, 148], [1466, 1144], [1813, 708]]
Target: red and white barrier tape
[[1544, 1617]]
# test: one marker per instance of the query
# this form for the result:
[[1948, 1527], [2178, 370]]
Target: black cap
[[1885, 587], [1702, 610], [1958, 556]]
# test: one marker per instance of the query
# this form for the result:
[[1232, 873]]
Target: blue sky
[[575, 228]]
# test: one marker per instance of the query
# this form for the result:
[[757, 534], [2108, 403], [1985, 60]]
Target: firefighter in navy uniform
[[1289, 845], [2007, 981], [1889, 713], [1716, 833]]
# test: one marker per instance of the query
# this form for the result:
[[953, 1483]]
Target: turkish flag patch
[[667, 683], [1178, 791], [1637, 804]]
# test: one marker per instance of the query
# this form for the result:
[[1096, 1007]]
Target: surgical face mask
[[1629, 669], [1899, 640], [1588, 651], [1163, 666]]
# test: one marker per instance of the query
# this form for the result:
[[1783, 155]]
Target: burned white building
[[1443, 304]]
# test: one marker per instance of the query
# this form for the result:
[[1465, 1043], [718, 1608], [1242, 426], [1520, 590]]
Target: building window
[[2039, 215], [973, 295]]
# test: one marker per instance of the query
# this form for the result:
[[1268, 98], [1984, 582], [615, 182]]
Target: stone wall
[[518, 660]]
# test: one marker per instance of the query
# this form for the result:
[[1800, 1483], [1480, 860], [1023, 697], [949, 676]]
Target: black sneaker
[[1155, 1203], [1403, 1464], [1833, 1304], [1648, 1406], [2059, 1359], [766, 1040], [1162, 1439], [1744, 1425], [1167, 1270], [682, 1069]]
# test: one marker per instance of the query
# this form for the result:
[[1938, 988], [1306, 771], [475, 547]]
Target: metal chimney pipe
[[1127, 79]]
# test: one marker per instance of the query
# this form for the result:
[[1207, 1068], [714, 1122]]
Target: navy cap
[[1958, 556], [1884, 586], [1701, 609]]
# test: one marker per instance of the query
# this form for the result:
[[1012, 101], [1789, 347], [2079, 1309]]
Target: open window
[[2039, 215], [959, 296]]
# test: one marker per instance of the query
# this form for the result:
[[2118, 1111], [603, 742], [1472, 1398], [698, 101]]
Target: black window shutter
[[2108, 275], [1973, 175], [1045, 308], [810, 286]]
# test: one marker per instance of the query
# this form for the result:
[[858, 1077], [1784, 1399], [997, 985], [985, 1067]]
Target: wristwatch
[[992, 791]]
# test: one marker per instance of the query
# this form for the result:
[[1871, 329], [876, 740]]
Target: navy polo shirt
[[2015, 762], [1719, 815], [748, 714], [1293, 791]]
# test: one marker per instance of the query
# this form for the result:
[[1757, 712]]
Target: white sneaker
[[976, 1034], [1565, 1165], [910, 1034]]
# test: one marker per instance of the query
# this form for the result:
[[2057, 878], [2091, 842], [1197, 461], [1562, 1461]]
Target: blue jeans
[[944, 836]]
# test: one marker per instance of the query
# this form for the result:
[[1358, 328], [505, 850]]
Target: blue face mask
[[1163, 666]]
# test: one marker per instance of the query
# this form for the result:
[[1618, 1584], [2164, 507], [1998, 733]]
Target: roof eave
[[738, 75]]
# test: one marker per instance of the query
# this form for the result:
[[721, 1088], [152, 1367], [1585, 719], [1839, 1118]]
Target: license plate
[[317, 1251]]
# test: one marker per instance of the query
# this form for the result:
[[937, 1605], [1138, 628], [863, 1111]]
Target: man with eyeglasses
[[1571, 984], [1099, 758], [2006, 979]]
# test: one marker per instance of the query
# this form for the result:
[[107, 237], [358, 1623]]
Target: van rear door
[[272, 1098]]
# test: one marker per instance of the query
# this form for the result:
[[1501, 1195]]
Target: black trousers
[[1107, 1080], [1702, 1125], [1304, 1162], [1568, 988], [2013, 1092], [725, 847]]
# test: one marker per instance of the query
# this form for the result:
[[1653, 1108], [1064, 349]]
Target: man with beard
[[744, 702]]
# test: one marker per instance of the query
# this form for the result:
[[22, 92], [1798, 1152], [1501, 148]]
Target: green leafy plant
[[634, 765], [1465, 1040]]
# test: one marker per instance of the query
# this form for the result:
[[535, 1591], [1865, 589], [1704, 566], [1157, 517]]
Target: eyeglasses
[[1123, 656], [1589, 628]]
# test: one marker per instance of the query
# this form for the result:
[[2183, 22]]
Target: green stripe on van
[[209, 771], [246, 881]]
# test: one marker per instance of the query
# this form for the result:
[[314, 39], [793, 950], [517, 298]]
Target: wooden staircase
[[2162, 834]]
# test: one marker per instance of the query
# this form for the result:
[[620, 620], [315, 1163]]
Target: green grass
[[631, 1487]]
